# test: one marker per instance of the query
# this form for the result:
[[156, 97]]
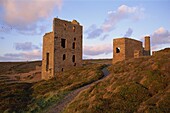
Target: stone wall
[[118, 49], [71, 32], [48, 48], [126, 48], [64, 45], [132, 47]]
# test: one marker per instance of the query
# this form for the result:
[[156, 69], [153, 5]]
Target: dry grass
[[135, 85], [16, 72], [14, 97], [18, 67], [36, 97]]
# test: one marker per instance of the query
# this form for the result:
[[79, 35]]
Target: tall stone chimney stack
[[147, 46]]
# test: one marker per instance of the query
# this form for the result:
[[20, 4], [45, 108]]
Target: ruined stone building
[[126, 48], [62, 48]]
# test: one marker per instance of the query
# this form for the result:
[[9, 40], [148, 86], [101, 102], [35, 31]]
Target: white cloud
[[161, 31], [26, 46], [123, 12], [32, 55], [25, 15], [114, 17], [123, 9], [29, 52], [35, 54], [98, 49], [160, 36]]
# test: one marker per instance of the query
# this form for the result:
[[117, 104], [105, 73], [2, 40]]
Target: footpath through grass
[[136, 85], [37, 97]]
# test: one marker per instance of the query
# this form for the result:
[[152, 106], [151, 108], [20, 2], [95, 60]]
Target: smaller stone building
[[126, 48], [62, 48]]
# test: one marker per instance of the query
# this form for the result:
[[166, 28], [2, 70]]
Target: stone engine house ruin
[[62, 48], [125, 48]]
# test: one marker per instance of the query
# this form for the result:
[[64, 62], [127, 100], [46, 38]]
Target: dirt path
[[59, 107]]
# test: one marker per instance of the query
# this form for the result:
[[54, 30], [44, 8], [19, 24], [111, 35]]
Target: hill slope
[[18, 67], [135, 85], [35, 97]]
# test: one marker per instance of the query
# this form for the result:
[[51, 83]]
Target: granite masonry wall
[[62, 48], [126, 48]]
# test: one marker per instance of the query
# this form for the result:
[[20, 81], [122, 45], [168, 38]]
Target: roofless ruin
[[126, 48], [62, 48]]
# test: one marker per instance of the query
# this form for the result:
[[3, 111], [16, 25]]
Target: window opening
[[73, 45], [47, 61], [117, 50], [64, 56], [73, 58], [63, 43]]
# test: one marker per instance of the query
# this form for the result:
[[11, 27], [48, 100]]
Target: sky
[[24, 22]]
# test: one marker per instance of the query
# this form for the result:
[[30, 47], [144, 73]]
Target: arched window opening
[[118, 50]]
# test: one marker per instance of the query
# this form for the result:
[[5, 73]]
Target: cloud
[[93, 32], [123, 12], [160, 36], [27, 16], [5, 28], [32, 55], [85, 57], [29, 52], [113, 18], [104, 37], [26, 46], [128, 32], [2, 37], [98, 49], [3, 59]]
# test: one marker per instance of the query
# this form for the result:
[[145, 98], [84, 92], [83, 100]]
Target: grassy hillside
[[25, 67], [97, 61], [14, 97], [135, 85], [30, 71], [35, 97], [18, 67]]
